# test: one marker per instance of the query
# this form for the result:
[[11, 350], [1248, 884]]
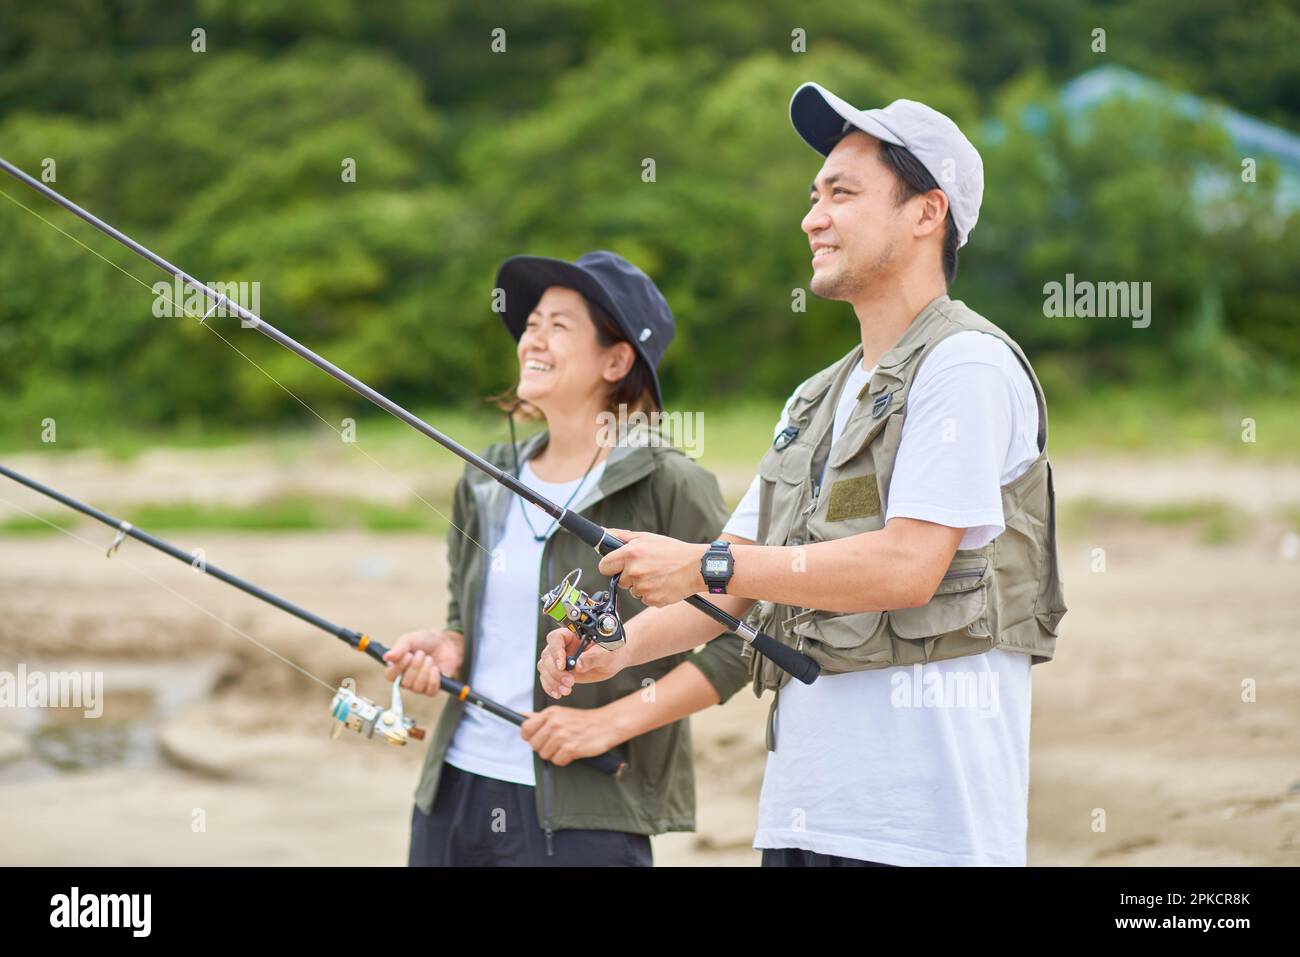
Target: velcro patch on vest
[[853, 498]]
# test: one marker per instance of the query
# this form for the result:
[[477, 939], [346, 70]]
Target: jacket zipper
[[546, 765], [964, 573], [546, 805]]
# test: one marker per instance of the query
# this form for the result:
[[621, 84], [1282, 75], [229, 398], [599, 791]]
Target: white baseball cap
[[821, 118]]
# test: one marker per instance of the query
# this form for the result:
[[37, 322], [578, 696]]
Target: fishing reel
[[350, 710], [593, 618]]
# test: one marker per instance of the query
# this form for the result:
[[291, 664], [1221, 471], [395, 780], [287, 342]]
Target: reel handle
[[571, 661]]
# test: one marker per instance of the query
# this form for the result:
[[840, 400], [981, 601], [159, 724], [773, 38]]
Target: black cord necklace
[[523, 510]]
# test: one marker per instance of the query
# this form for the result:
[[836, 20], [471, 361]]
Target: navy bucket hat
[[625, 292]]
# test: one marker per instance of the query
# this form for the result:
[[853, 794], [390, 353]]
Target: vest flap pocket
[[960, 600], [789, 464], [793, 465], [835, 631], [783, 481]]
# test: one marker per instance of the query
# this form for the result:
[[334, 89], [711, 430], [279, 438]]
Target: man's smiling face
[[855, 227]]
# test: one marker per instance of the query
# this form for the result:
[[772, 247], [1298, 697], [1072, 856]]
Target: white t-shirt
[[505, 642], [927, 764]]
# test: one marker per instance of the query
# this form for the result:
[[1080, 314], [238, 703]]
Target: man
[[900, 531]]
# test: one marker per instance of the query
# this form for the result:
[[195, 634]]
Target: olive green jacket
[[643, 487]]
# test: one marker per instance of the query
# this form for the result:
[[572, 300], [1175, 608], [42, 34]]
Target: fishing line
[[349, 709], [202, 321], [588, 616], [215, 617]]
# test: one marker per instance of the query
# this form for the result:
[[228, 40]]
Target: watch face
[[716, 566]]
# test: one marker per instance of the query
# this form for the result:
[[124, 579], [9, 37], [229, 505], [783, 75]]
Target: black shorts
[[797, 857], [482, 822]]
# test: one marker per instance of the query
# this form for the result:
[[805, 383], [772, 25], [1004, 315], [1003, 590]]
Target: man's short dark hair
[[914, 179]]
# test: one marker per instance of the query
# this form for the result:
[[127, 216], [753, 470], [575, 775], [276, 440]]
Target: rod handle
[[609, 763], [589, 532], [798, 664]]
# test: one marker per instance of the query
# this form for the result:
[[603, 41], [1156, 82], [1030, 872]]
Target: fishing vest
[[1006, 595]]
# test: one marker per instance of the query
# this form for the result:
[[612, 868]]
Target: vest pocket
[[841, 643], [1049, 608], [784, 475], [960, 602]]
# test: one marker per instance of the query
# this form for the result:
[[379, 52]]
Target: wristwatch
[[716, 567]]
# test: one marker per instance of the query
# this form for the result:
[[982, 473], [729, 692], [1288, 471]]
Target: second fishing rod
[[603, 626], [349, 709]]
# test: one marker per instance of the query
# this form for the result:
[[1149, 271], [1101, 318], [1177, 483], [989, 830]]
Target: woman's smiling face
[[561, 363]]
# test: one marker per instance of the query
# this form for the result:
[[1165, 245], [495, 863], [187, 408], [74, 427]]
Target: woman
[[590, 335]]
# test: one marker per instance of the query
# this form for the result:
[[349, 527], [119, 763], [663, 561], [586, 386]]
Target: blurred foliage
[[228, 162]]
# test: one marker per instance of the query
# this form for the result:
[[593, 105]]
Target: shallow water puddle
[[62, 716]]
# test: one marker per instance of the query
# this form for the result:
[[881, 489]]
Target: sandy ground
[[228, 760]]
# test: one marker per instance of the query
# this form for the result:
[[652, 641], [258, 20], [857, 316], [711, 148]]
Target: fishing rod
[[349, 709], [604, 627]]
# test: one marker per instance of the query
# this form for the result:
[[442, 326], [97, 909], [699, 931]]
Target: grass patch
[[27, 525], [412, 518], [1148, 421], [300, 513], [276, 515], [1289, 513], [1216, 523], [737, 431]]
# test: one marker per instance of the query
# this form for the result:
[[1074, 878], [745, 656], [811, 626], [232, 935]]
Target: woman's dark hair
[[635, 390], [914, 179]]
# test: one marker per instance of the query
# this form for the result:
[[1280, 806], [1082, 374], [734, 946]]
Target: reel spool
[[593, 618], [350, 710]]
